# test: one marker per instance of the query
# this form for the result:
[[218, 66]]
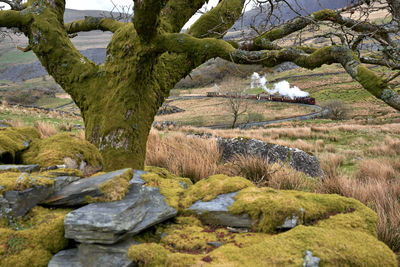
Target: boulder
[[94, 255], [66, 258], [13, 141], [106, 223], [296, 158], [310, 261], [64, 149], [78, 192], [21, 168]]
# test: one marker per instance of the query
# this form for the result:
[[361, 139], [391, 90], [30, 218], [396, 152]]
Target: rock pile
[[128, 217]]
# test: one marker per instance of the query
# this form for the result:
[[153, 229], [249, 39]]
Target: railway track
[[319, 111]]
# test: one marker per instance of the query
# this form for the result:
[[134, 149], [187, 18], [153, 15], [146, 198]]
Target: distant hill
[[285, 12]]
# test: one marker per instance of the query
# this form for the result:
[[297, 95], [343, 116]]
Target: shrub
[[336, 110]]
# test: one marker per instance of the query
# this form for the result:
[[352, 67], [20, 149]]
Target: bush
[[336, 109]]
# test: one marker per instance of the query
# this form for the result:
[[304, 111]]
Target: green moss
[[115, 188], [13, 140], [219, 19], [59, 172], [324, 14], [335, 247], [149, 254], [53, 150], [270, 208], [370, 81], [170, 185], [40, 236], [213, 186], [21, 181]]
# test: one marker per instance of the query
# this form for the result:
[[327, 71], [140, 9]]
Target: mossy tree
[[148, 56]]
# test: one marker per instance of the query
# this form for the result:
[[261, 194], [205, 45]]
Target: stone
[[296, 158], [66, 258], [215, 244], [18, 203], [109, 222], [137, 174], [94, 255], [310, 261], [21, 168], [216, 212], [289, 223], [76, 193]]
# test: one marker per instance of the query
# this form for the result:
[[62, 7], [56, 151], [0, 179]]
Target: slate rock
[[21, 168], [75, 193], [109, 222], [94, 255], [310, 261], [66, 258], [18, 203], [216, 212], [297, 159], [289, 223], [137, 174]]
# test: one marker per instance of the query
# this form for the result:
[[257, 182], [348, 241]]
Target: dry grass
[[390, 147], [380, 169], [191, 157], [331, 163], [45, 129], [17, 123]]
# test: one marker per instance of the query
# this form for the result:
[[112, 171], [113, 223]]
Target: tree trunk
[[118, 119]]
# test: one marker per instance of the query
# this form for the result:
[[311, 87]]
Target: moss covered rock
[[64, 148], [171, 186], [33, 240], [15, 140], [336, 230]]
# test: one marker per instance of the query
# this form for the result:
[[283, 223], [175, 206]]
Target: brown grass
[[376, 169], [191, 157], [17, 123], [45, 129], [331, 163]]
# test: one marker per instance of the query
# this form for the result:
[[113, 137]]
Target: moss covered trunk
[[118, 119]]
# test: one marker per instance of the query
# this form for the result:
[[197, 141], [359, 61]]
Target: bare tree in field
[[236, 105], [147, 56]]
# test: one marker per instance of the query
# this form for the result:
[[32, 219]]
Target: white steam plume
[[283, 88]]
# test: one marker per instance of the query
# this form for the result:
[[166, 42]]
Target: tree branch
[[216, 22], [375, 31], [147, 17], [93, 23], [200, 50], [177, 13], [11, 18]]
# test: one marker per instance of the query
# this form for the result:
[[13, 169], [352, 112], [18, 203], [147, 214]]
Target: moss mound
[[55, 149], [271, 207], [14, 140], [213, 186], [40, 235]]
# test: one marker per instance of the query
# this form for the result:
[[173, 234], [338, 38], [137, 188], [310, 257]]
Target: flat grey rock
[[95, 255], [75, 193], [216, 212], [297, 159], [66, 258], [21, 168], [109, 222]]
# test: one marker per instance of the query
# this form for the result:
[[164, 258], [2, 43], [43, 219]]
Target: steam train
[[277, 98]]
